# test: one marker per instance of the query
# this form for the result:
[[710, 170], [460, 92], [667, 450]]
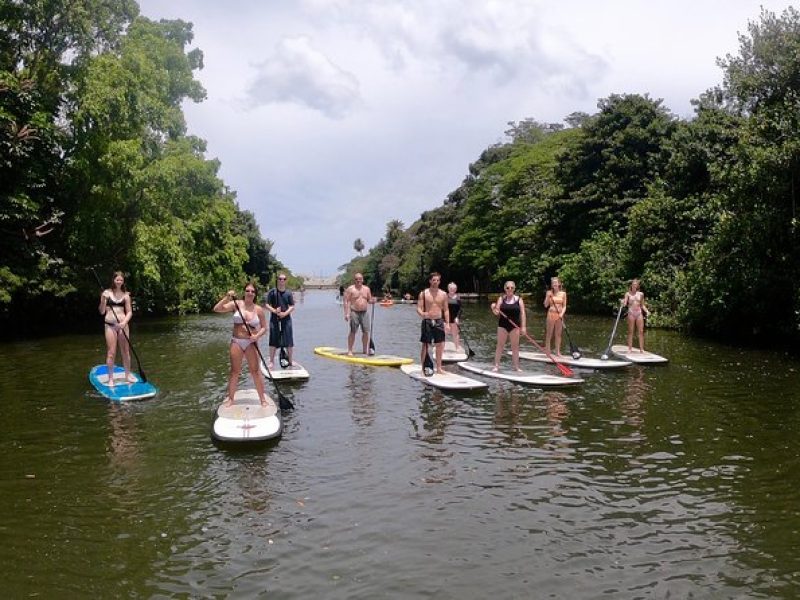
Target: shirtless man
[[432, 307], [356, 299]]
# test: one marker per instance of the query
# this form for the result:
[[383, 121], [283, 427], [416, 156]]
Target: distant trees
[[705, 211]]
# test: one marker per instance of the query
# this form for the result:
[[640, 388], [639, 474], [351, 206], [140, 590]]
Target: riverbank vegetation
[[703, 210], [97, 170]]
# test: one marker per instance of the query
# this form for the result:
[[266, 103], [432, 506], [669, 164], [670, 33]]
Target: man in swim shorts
[[357, 298]]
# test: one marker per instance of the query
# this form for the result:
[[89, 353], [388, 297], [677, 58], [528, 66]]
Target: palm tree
[[358, 246]]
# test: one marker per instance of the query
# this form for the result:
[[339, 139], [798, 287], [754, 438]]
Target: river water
[[674, 481]]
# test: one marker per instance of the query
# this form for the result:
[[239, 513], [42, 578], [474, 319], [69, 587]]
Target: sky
[[331, 118]]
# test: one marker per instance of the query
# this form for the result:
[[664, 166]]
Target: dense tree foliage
[[704, 210], [96, 168]]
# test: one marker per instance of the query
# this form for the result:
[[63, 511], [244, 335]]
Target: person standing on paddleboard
[[249, 324], [555, 302], [511, 322], [280, 303], [357, 298], [115, 306], [454, 310], [634, 301], [432, 306]]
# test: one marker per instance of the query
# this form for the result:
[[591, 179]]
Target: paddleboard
[[122, 390], [529, 377], [386, 303], [377, 360], [638, 357], [450, 353], [246, 420], [583, 362], [448, 381], [293, 371]]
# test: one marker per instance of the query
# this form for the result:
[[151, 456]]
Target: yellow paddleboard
[[378, 360]]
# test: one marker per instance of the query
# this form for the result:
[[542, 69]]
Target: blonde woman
[[634, 300], [555, 302]]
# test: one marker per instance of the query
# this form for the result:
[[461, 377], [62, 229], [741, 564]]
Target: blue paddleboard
[[122, 391]]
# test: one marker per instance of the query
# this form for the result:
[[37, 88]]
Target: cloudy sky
[[333, 117]]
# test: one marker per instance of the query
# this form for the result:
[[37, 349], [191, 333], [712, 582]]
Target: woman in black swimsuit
[[510, 310], [115, 306]]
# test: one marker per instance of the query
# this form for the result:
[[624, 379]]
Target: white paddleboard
[[637, 356], [529, 377], [450, 353], [583, 362], [448, 381], [293, 371], [246, 420]]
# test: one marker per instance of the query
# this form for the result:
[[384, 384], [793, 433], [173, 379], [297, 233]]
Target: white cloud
[[299, 73], [357, 112]]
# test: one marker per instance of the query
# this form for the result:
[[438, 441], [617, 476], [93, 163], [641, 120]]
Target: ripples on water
[[676, 481]]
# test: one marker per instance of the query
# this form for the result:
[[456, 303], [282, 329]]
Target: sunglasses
[[281, 278], [249, 291]]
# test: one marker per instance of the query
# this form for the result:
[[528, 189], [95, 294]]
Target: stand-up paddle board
[[293, 371], [448, 381], [246, 420], [637, 356], [378, 360], [121, 391], [450, 354], [583, 362], [529, 377]]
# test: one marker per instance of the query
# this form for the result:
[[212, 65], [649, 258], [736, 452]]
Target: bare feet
[[227, 401], [495, 368], [349, 353], [264, 402], [440, 372], [130, 378]]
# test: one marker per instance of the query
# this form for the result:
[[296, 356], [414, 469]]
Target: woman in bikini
[[555, 302], [510, 310], [244, 338], [115, 306], [634, 300]]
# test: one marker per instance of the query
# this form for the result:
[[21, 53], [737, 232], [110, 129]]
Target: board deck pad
[[527, 377], [379, 360], [448, 381], [638, 357], [584, 362], [246, 420], [450, 353], [122, 391], [293, 371]]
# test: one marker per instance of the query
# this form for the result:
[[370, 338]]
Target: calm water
[[677, 481]]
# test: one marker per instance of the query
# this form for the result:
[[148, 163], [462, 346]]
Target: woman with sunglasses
[[115, 306], [249, 324], [510, 310]]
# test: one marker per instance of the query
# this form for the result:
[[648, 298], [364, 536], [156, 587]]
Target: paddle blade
[[427, 365], [565, 370], [284, 402], [371, 346], [284, 358]]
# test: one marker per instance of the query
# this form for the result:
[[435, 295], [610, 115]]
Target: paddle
[[561, 367], [573, 349], [470, 353], [427, 364], [283, 357], [604, 356], [283, 401], [371, 327], [133, 350]]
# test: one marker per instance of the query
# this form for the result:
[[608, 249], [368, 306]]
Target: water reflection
[[122, 445], [361, 385]]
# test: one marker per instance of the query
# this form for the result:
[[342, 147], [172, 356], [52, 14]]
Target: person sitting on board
[[432, 307], [634, 300], [244, 338], [387, 297], [280, 303], [356, 299], [555, 302], [510, 310], [454, 310], [115, 306]]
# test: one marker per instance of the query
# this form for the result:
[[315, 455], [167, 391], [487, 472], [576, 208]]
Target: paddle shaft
[[561, 367], [122, 329], [284, 402], [371, 327], [613, 331]]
